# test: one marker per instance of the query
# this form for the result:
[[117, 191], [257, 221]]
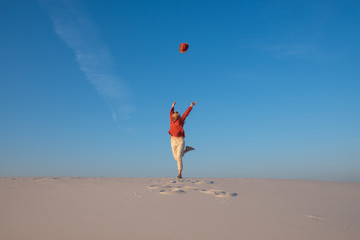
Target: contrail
[[75, 28]]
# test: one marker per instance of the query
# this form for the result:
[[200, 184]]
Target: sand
[[165, 208]]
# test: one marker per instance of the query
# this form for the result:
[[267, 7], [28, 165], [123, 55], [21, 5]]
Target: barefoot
[[188, 148], [179, 176]]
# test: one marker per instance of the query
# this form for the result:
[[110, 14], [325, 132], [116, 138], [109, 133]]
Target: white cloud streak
[[75, 28]]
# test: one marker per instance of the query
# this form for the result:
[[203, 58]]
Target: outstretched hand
[[173, 104], [192, 104]]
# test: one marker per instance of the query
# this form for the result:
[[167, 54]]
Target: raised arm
[[172, 110], [186, 113]]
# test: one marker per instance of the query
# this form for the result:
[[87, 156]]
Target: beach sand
[[46, 208]]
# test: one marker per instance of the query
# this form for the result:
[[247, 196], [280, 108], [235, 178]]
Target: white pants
[[177, 146]]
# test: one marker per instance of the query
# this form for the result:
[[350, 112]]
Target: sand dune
[[166, 208]]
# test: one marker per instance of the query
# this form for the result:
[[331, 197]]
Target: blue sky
[[86, 88]]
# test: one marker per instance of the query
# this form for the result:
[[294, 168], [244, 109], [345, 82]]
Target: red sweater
[[176, 127]]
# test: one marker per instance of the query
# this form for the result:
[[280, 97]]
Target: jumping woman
[[177, 135]]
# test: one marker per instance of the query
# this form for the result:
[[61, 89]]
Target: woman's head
[[175, 115]]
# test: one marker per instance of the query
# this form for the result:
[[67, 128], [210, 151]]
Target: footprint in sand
[[159, 186], [218, 193], [191, 188], [172, 192], [317, 218], [175, 187]]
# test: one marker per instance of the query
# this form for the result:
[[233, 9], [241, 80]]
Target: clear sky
[[87, 86]]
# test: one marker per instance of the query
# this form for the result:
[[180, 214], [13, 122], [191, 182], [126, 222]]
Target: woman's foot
[[188, 148], [179, 175]]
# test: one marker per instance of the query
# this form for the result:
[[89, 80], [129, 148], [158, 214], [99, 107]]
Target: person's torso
[[176, 128], [178, 122]]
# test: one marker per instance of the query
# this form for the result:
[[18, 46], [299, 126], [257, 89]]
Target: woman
[[177, 135]]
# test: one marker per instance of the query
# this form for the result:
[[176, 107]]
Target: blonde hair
[[175, 117]]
